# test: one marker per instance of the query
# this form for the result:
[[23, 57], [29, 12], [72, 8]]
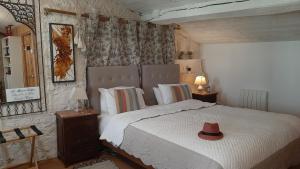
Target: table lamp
[[201, 82], [79, 95]]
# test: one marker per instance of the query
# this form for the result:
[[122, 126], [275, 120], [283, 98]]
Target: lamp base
[[80, 106], [202, 92], [202, 89]]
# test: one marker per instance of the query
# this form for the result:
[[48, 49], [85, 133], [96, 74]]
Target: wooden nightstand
[[206, 97], [77, 136]]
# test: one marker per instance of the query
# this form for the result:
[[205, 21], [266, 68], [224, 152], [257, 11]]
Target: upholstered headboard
[[152, 75], [108, 77]]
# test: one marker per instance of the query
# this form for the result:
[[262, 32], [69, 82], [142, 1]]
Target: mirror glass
[[19, 77]]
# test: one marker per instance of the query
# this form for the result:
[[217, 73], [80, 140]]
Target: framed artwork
[[62, 52]]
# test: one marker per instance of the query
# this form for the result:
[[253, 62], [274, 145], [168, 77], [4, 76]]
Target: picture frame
[[62, 50]]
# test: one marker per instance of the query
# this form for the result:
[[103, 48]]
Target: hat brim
[[209, 137]]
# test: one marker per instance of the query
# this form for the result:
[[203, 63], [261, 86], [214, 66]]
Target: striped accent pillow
[[181, 92], [126, 100]]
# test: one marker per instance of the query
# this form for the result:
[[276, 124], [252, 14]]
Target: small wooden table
[[33, 132], [206, 97]]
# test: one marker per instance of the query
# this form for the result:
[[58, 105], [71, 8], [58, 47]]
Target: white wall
[[271, 66], [185, 43]]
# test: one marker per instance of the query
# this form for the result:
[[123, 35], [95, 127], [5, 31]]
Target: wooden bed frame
[[123, 153]]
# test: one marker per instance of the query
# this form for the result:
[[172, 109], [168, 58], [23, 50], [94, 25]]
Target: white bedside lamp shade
[[79, 96], [201, 81], [78, 93]]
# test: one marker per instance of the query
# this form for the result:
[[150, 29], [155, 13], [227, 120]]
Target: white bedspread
[[250, 136], [114, 130]]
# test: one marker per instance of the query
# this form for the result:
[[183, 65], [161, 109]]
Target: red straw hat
[[210, 131]]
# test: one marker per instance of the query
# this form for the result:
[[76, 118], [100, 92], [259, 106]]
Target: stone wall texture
[[56, 94]]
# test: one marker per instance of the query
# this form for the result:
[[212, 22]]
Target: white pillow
[[103, 102], [167, 93], [110, 101], [109, 97], [158, 96]]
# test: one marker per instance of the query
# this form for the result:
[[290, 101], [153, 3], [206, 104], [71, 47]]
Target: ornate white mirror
[[21, 63]]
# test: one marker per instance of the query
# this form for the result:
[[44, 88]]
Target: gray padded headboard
[[152, 75], [108, 77]]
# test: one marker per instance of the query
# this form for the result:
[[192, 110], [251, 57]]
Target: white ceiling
[[180, 11], [148, 6], [6, 19], [279, 27], [232, 21]]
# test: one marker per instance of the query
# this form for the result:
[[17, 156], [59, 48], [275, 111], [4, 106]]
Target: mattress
[[253, 139]]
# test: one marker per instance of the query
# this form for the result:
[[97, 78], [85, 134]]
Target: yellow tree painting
[[62, 53]]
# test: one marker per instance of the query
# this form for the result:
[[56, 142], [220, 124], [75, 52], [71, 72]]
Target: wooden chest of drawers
[[77, 136]]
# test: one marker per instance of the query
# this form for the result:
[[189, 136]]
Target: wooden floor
[[120, 162], [57, 164]]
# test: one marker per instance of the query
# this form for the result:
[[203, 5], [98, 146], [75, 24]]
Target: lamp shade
[[200, 80], [78, 93]]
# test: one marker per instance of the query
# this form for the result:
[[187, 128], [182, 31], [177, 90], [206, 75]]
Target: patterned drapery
[[112, 43]]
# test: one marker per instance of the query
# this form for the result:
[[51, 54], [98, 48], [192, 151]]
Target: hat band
[[210, 134]]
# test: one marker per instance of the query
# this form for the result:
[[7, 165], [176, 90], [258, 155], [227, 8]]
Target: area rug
[[96, 164]]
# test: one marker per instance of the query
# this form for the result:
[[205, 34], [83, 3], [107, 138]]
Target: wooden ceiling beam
[[103, 18], [220, 9]]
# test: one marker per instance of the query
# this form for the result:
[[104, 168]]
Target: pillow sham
[[158, 96], [108, 99], [126, 100], [172, 93]]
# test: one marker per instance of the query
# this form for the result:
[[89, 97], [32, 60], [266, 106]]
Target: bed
[[165, 136]]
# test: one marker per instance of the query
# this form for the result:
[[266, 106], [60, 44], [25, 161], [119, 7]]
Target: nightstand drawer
[[83, 141], [83, 148], [78, 128]]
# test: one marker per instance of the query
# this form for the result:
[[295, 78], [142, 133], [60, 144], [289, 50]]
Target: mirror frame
[[18, 9]]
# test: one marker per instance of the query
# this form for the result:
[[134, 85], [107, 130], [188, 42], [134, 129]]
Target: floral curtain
[[149, 43], [168, 44], [112, 43]]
